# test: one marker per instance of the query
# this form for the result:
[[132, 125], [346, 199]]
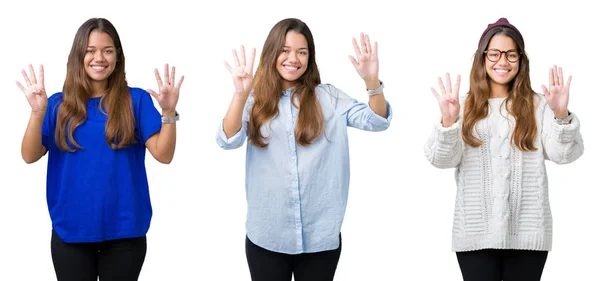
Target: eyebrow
[[303, 48], [104, 47]]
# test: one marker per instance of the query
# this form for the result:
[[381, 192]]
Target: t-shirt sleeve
[[46, 124], [150, 121]]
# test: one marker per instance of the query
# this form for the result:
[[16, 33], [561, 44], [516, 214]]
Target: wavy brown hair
[[521, 96], [268, 87], [115, 103]]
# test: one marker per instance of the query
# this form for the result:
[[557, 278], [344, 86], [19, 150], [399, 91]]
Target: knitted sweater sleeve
[[444, 146], [562, 144]]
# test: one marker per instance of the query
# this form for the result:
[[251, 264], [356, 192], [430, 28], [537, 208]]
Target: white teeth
[[98, 67], [290, 67], [502, 70]]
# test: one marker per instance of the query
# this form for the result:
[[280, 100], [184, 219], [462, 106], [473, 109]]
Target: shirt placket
[[293, 168]]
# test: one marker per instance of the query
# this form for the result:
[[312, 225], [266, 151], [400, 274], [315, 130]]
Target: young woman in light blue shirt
[[297, 160]]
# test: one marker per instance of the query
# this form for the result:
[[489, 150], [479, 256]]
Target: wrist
[[563, 119], [375, 90], [562, 113], [41, 114], [372, 84], [169, 113], [447, 122]]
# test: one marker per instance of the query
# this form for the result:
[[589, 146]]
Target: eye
[[285, 51], [303, 52], [108, 51]]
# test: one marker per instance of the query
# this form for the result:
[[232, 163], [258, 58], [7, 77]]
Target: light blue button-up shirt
[[297, 195]]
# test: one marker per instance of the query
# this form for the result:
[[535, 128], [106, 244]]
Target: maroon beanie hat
[[500, 22]]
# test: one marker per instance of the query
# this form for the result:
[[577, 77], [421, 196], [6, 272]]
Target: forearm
[[377, 102], [378, 105], [233, 118], [167, 138], [31, 146]]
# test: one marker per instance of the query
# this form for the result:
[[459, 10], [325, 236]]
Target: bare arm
[[162, 144], [31, 146], [241, 73]]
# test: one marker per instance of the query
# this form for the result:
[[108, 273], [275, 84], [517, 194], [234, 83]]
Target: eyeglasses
[[494, 55]]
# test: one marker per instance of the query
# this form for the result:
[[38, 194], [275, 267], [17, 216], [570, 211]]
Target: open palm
[[34, 90], [366, 62], [241, 72], [168, 92], [448, 99], [557, 94]]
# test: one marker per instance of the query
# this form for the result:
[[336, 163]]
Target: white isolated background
[[398, 222]]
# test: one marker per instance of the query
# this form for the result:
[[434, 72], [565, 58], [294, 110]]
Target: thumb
[[152, 93]]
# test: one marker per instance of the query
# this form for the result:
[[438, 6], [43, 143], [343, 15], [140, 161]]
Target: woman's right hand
[[242, 72], [35, 91], [448, 100]]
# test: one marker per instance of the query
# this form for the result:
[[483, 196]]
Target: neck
[[98, 88], [498, 91], [287, 84]]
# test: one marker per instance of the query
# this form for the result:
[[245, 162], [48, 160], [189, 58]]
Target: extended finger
[[167, 80], [441, 83], [368, 44], [250, 65], [172, 82], [180, 82], [42, 75], [27, 81], [32, 73], [356, 48], [560, 76], [456, 87], [236, 61], [243, 55], [158, 80], [448, 83]]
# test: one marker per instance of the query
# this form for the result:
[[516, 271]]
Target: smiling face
[[100, 58], [293, 59], [502, 71]]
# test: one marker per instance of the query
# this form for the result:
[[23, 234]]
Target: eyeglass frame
[[505, 54]]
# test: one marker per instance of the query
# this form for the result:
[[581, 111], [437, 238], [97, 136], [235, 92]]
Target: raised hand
[[448, 100], [168, 93], [557, 95], [34, 90], [242, 72], [366, 62]]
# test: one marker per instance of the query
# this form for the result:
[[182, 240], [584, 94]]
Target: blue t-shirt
[[98, 193]]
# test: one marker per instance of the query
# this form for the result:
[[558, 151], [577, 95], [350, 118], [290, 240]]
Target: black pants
[[506, 265], [114, 260], [266, 265]]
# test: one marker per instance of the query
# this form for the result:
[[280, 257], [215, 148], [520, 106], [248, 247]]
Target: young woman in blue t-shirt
[[96, 132]]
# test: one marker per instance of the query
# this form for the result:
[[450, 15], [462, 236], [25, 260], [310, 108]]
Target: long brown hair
[[115, 103], [268, 88], [521, 96]]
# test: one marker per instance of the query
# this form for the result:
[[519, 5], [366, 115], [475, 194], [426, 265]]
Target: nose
[[293, 56], [503, 58], [98, 56]]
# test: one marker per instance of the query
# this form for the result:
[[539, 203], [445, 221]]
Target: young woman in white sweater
[[498, 144]]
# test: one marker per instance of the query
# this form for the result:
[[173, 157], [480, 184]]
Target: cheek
[[87, 59], [280, 59]]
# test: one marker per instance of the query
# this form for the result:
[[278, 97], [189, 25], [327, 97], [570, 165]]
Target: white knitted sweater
[[502, 192]]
